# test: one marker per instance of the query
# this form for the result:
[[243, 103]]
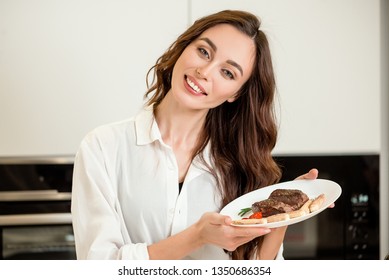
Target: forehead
[[232, 44]]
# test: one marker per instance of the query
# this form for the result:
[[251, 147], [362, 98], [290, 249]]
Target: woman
[[151, 187]]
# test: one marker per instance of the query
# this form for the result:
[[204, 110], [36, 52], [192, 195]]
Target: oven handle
[[35, 219], [39, 195]]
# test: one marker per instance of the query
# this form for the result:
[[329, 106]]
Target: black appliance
[[35, 219], [351, 229]]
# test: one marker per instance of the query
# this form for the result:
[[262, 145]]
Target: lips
[[194, 87]]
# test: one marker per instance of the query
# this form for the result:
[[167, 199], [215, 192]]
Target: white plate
[[312, 188]]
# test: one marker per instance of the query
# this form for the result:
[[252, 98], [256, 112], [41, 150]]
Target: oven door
[[39, 237], [36, 225]]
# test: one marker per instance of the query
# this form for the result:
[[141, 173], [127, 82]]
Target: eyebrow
[[214, 48]]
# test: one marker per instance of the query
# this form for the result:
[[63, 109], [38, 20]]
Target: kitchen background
[[69, 66]]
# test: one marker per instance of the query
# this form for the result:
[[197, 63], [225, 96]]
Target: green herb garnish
[[244, 211]]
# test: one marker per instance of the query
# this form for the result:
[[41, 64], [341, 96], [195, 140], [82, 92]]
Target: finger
[[218, 219], [227, 220], [311, 175], [244, 235], [252, 232]]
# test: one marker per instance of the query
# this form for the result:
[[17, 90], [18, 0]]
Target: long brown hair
[[242, 133]]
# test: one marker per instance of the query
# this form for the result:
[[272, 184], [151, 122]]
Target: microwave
[[350, 230]]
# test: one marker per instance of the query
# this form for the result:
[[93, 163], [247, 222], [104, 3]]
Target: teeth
[[193, 86]]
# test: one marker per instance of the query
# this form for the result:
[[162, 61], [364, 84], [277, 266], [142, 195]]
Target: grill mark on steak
[[280, 201]]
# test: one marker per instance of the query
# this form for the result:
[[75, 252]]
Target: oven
[[351, 229], [35, 219]]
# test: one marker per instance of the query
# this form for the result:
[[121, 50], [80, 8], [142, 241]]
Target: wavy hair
[[242, 133]]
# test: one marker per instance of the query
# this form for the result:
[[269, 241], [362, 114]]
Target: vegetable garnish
[[256, 215], [244, 211]]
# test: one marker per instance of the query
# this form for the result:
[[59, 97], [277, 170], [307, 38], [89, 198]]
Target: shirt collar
[[147, 131], [146, 127]]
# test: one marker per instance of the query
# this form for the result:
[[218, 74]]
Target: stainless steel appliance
[[35, 219], [351, 229]]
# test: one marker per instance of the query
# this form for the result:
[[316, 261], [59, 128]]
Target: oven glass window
[[54, 242]]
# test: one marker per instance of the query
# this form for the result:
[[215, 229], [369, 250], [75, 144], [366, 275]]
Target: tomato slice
[[256, 215]]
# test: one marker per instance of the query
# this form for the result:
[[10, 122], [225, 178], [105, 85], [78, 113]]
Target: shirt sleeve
[[98, 224]]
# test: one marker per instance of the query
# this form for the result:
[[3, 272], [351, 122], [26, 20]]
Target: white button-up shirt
[[125, 192]]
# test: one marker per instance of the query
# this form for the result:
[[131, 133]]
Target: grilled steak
[[270, 207], [294, 198], [280, 201]]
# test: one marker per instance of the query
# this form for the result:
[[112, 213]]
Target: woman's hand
[[211, 228], [216, 229], [311, 175]]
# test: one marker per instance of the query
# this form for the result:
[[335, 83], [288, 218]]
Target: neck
[[179, 126]]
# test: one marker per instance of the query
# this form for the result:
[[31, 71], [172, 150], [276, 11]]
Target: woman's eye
[[204, 52], [228, 74]]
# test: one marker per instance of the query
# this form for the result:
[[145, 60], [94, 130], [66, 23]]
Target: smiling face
[[213, 68]]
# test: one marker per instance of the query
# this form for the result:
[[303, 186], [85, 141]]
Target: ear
[[232, 98]]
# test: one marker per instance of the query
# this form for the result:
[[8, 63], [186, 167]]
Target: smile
[[194, 86]]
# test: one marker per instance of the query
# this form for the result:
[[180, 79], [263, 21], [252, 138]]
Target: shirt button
[[170, 165]]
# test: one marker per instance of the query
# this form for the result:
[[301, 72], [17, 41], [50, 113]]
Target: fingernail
[[267, 230]]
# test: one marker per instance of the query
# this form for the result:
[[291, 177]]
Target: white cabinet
[[69, 66], [327, 60]]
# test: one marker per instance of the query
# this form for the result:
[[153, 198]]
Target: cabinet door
[[69, 66], [327, 60]]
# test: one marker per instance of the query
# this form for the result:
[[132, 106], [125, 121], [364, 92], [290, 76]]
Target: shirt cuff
[[134, 252]]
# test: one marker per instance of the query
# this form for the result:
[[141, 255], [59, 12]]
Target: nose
[[202, 72]]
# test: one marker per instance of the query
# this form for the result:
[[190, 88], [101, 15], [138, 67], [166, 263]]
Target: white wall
[[327, 60], [68, 66]]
